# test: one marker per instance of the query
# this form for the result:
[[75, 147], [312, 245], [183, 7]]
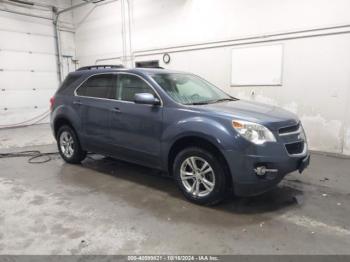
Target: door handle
[[116, 109], [77, 103]]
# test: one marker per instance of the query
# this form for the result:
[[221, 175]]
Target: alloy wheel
[[197, 176], [67, 144]]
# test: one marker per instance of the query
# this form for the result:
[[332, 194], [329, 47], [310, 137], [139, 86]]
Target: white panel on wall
[[10, 81], [98, 32], [27, 61], [167, 22], [112, 61], [25, 42], [25, 24], [27, 100], [257, 66]]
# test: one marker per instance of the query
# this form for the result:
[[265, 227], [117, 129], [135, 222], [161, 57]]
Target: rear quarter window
[[70, 79]]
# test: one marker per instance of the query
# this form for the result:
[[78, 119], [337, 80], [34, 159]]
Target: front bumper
[[304, 163], [245, 180]]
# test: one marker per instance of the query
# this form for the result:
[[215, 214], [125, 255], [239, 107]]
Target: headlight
[[253, 132], [302, 135]]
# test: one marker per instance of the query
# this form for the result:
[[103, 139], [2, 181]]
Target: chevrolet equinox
[[210, 142]]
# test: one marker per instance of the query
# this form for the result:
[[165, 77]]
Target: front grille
[[295, 148], [289, 129]]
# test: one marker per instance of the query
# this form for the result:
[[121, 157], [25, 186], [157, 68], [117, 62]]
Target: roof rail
[[92, 67]]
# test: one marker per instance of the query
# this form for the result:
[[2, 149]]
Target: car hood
[[270, 116]]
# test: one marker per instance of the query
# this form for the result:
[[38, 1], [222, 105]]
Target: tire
[[69, 146], [213, 171]]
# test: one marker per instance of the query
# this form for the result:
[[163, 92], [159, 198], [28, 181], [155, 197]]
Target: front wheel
[[69, 146], [200, 176]]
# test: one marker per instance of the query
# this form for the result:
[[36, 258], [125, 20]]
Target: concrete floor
[[24, 137], [110, 207]]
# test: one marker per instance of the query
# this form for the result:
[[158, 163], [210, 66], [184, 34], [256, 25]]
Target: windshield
[[190, 89]]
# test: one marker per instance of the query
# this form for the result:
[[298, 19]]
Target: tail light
[[52, 102]]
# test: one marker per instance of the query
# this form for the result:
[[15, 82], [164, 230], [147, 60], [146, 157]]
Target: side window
[[129, 85], [100, 86]]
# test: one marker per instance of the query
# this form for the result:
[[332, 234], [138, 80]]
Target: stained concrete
[[26, 136], [106, 206]]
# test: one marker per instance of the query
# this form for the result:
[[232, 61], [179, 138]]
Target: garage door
[[28, 69]]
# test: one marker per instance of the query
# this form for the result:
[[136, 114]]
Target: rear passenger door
[[94, 99], [136, 128]]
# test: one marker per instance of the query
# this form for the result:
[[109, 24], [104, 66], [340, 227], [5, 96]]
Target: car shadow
[[278, 199]]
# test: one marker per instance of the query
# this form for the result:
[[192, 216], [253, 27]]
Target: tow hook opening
[[263, 170]]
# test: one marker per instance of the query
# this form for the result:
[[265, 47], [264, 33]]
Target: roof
[[108, 69], [153, 70]]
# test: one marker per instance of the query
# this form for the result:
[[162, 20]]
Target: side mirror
[[146, 99]]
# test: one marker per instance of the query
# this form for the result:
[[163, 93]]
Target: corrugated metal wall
[[28, 64]]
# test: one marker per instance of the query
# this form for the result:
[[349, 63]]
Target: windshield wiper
[[224, 99], [198, 103], [212, 101]]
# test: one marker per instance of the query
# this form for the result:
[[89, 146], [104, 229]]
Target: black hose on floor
[[32, 154]]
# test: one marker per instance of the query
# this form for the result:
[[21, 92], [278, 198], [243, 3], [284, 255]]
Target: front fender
[[215, 131]]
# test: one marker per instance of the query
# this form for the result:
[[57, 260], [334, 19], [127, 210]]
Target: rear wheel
[[200, 176], [69, 146]]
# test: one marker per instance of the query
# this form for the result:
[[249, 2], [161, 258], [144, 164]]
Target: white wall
[[28, 62], [316, 64], [98, 31]]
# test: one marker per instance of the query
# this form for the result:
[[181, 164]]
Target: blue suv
[[209, 141]]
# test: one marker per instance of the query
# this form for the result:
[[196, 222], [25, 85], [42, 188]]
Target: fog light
[[262, 170]]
